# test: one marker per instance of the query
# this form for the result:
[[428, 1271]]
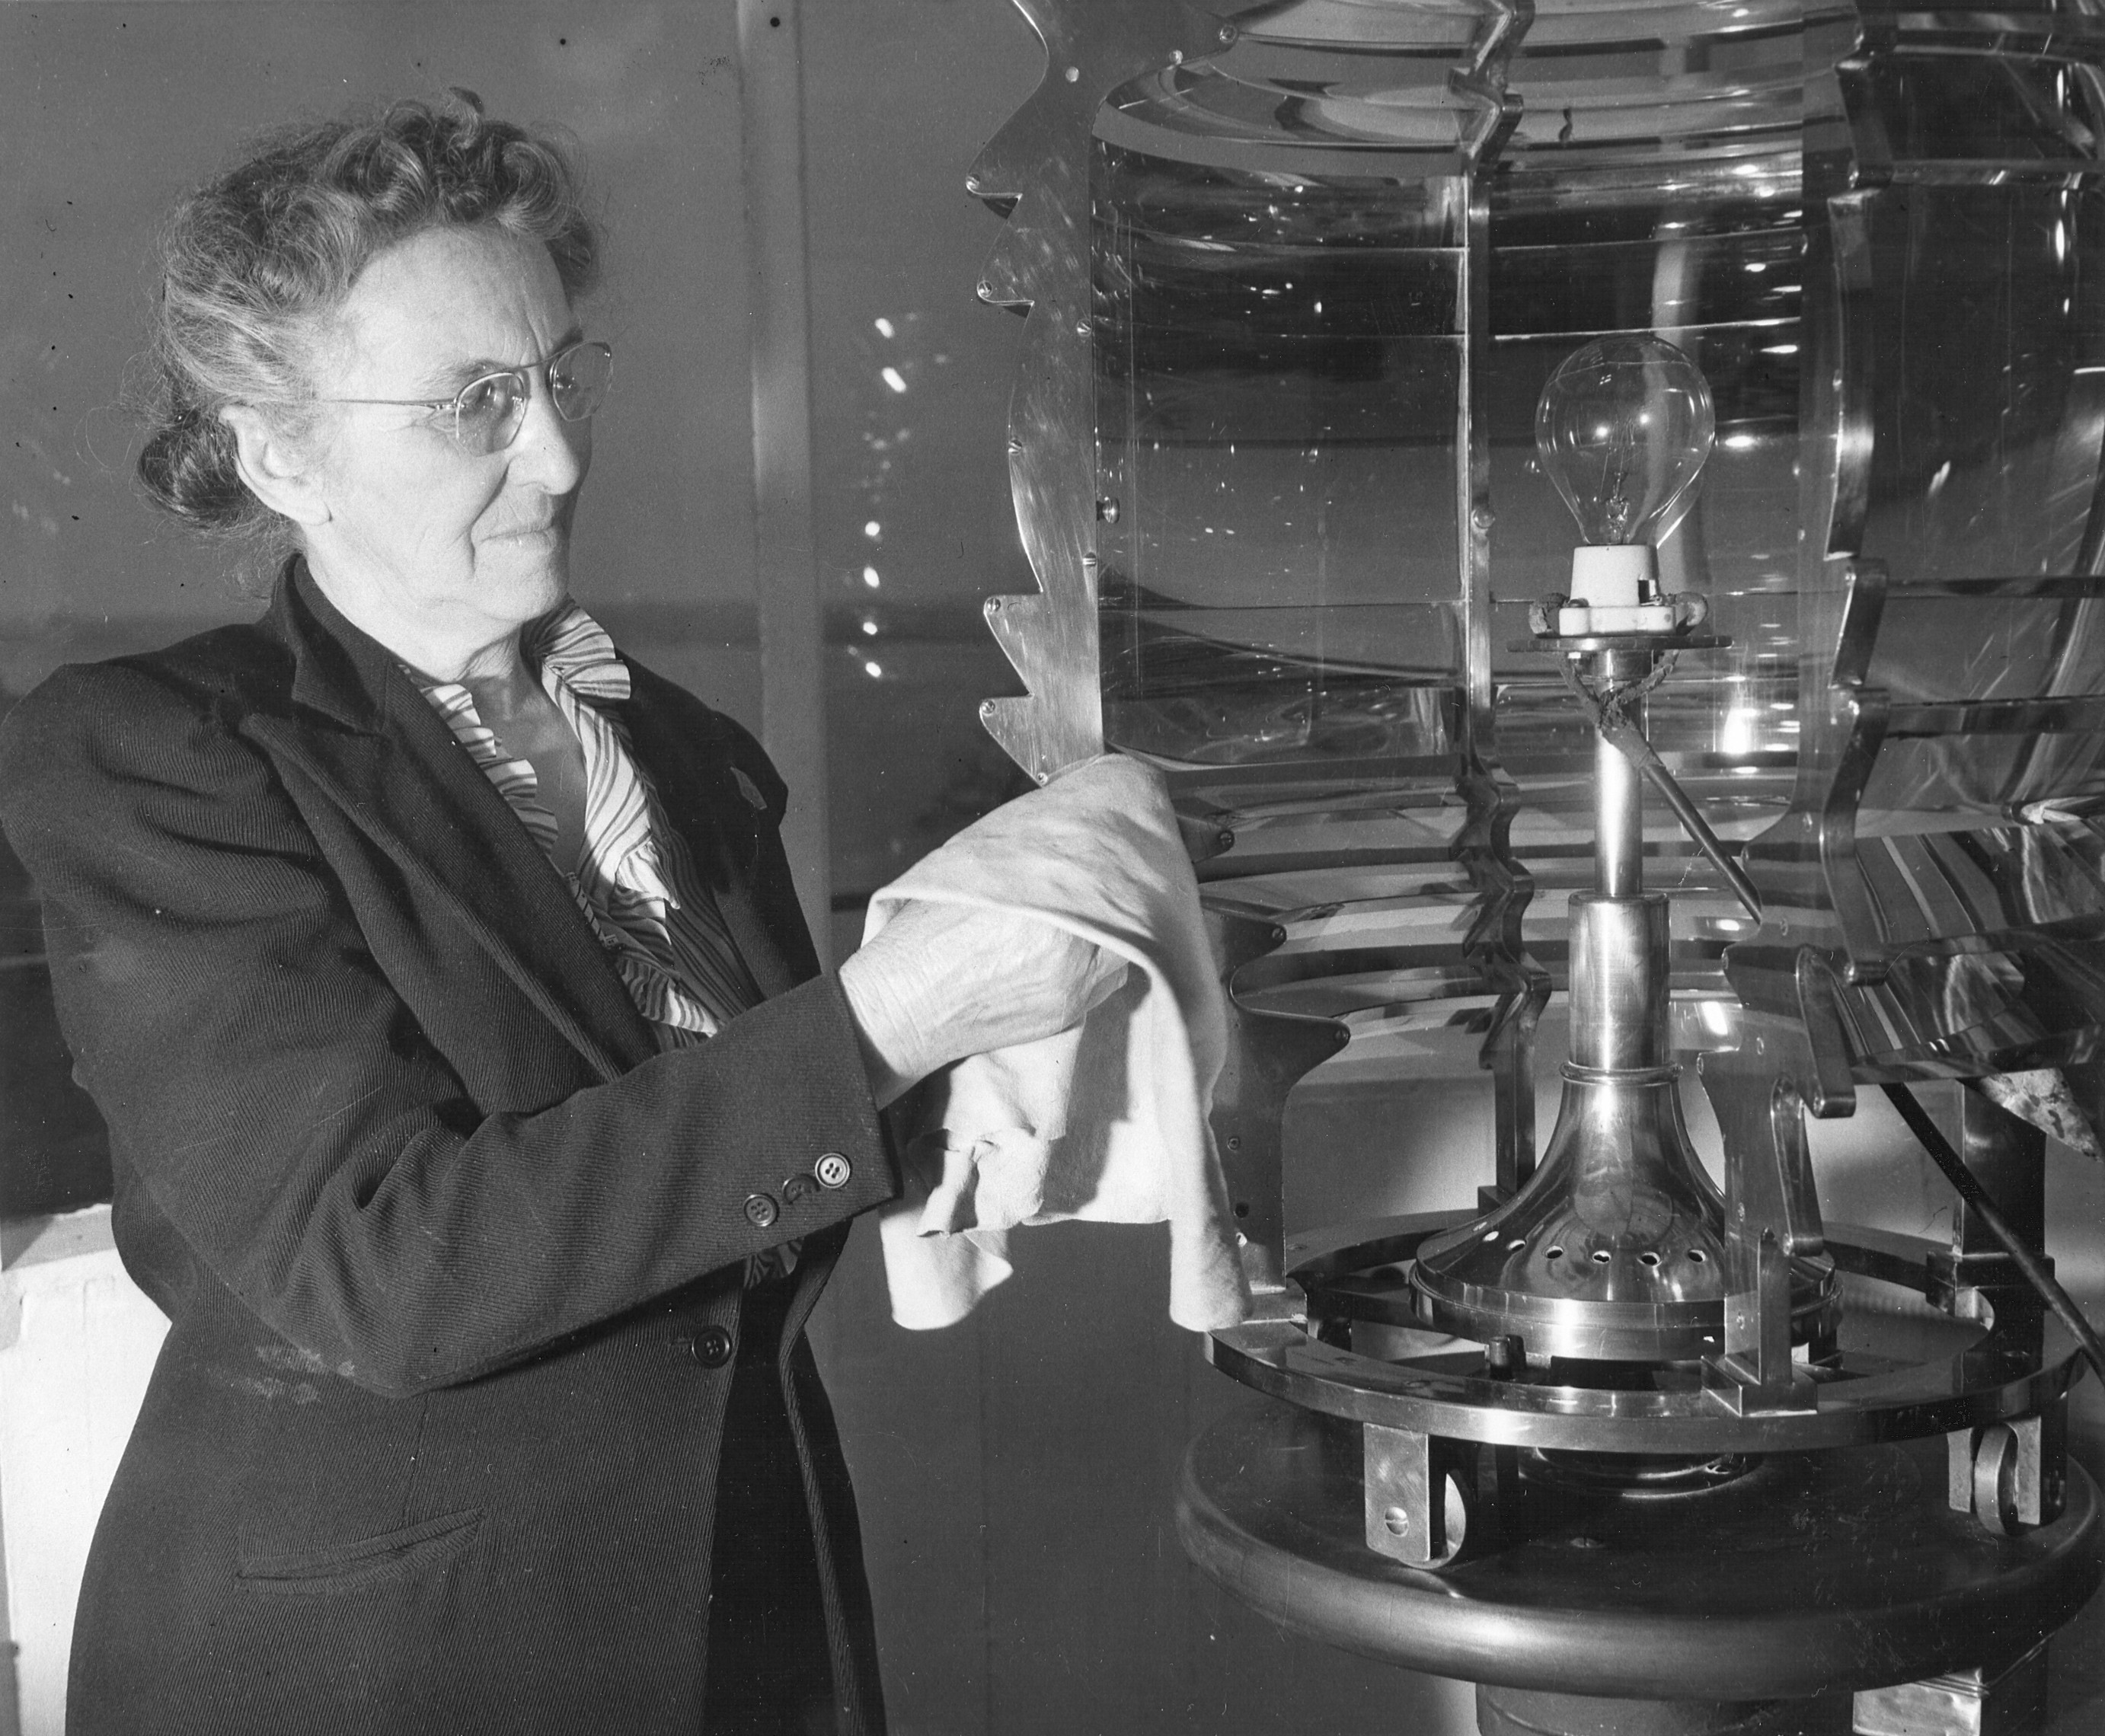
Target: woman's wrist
[[893, 1031]]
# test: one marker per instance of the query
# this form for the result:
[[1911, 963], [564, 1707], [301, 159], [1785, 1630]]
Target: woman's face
[[423, 543]]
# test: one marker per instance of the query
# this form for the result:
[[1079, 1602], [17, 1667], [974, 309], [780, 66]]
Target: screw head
[[1396, 1521]]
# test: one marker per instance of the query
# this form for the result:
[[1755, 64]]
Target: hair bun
[[188, 466]]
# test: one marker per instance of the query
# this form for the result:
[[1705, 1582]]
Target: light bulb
[[1624, 426]]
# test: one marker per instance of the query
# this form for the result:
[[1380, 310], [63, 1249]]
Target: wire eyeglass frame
[[480, 426]]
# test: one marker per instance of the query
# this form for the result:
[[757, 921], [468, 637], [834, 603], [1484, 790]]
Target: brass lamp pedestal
[[1616, 1250]]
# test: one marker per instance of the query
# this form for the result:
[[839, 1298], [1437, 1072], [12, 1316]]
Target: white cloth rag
[[1107, 1120]]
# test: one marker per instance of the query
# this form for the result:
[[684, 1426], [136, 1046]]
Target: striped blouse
[[634, 879]]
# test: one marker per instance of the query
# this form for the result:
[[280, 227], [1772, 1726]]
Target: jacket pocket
[[411, 1553]]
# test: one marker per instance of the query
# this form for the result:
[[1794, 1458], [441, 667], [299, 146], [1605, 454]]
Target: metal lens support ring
[[2014, 1369]]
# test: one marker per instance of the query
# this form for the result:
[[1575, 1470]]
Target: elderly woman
[[481, 1117]]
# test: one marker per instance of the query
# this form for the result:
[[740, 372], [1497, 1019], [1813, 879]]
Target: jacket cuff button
[[832, 1169], [798, 1188], [712, 1347], [761, 1210]]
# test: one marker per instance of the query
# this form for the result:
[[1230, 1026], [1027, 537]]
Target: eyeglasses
[[485, 413]]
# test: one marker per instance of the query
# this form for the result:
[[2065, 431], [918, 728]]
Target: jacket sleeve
[[282, 1109]]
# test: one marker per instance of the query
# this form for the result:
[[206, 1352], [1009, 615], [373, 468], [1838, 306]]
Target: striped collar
[[568, 644], [572, 651]]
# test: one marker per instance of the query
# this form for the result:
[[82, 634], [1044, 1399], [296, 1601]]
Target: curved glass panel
[[1276, 379], [1325, 306], [1285, 364]]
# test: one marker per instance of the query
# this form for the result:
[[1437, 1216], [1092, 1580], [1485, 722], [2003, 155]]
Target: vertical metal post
[[2008, 1157], [1503, 886], [1618, 788], [793, 687]]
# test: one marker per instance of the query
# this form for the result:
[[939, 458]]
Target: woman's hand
[[939, 982]]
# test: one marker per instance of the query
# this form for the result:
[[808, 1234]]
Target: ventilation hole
[[1516, 1245], [1650, 1259], [1552, 1253], [1696, 1256], [1490, 1235], [1242, 1208], [1601, 1256]]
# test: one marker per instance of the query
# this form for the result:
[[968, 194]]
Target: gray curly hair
[[254, 262]]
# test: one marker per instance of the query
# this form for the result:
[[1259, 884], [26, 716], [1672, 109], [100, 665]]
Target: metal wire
[[1976, 1196], [1610, 715]]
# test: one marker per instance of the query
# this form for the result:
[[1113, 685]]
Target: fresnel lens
[[1342, 312]]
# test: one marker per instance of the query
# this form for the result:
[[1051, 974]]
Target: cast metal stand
[[1672, 1465]]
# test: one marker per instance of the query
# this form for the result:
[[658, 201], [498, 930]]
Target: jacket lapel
[[700, 793], [394, 767]]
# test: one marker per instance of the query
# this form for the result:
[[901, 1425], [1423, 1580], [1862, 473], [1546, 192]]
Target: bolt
[[1234, 1142], [1107, 509], [1396, 1521], [1482, 518], [1227, 33], [986, 708], [1176, 57], [1081, 328], [1074, 75]]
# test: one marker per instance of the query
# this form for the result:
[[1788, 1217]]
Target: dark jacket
[[452, 1254]]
